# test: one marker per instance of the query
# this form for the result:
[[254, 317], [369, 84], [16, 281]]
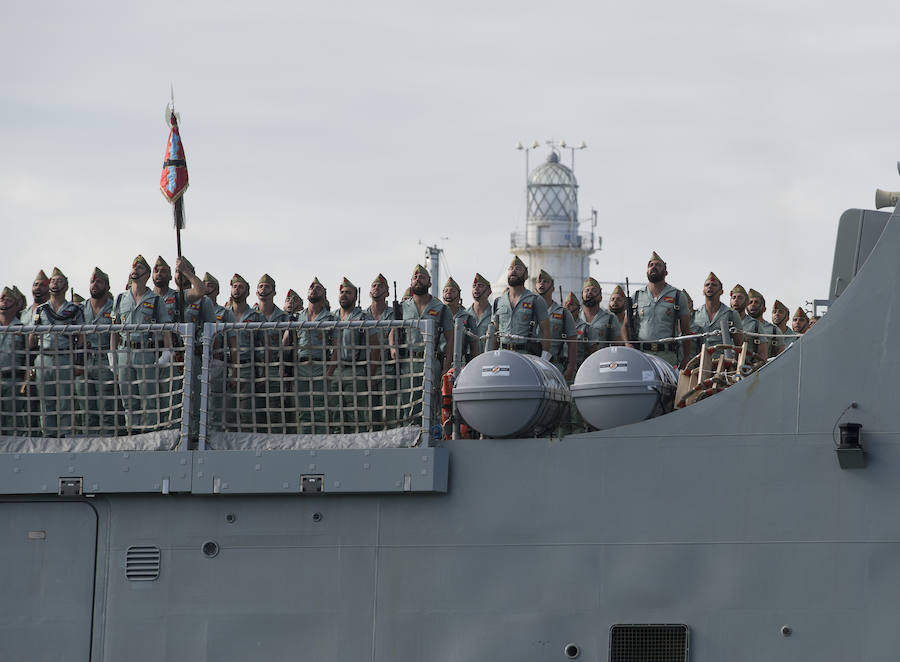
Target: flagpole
[[178, 213]]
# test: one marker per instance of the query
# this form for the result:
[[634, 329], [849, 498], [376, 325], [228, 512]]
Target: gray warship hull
[[737, 518]]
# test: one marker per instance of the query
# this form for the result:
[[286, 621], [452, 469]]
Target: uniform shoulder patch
[[147, 304], [433, 312], [107, 315], [557, 316], [669, 299], [527, 304]]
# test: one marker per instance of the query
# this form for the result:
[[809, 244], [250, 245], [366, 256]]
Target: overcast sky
[[328, 140]]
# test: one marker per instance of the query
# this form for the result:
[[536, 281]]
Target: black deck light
[[849, 450]]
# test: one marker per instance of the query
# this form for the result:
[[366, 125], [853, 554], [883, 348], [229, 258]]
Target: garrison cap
[[517, 262], [57, 273], [345, 283], [187, 264], [420, 269], [291, 295], [266, 278], [800, 313], [655, 256], [380, 280], [753, 294], [209, 278], [237, 278], [571, 299], [140, 260], [738, 289], [99, 274], [543, 275], [41, 276], [316, 281], [712, 276], [160, 262], [77, 298], [617, 290], [481, 279], [7, 292], [590, 282], [452, 283], [780, 306], [21, 297]]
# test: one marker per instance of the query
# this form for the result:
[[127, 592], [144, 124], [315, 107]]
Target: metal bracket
[[312, 483], [70, 486]]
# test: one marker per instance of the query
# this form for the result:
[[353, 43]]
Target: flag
[[174, 179]]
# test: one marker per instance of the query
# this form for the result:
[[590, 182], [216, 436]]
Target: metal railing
[[272, 378]]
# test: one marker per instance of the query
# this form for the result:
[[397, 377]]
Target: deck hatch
[[142, 563], [648, 643]]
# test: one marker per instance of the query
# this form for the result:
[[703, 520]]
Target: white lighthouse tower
[[553, 240]]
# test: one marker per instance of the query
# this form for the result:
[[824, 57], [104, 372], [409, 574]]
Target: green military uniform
[[757, 325], [657, 317], [468, 325], [603, 330], [351, 377], [239, 403], [484, 320], [97, 391], [136, 358], [270, 403], [218, 368], [12, 364], [703, 324], [521, 321], [55, 369], [197, 313], [443, 322], [384, 400]]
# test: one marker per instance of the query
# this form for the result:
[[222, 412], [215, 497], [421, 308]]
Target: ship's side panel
[[47, 553]]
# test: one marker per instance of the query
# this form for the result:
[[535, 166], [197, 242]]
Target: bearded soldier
[[97, 390], [520, 315], [55, 364], [481, 310], [710, 315], [563, 350], [662, 311], [452, 298]]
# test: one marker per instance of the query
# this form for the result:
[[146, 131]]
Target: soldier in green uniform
[[520, 316], [384, 400], [249, 350], [481, 309], [755, 323], [133, 353], [710, 315], [56, 361], [21, 301], [662, 311], [603, 328], [780, 315], [12, 361], [421, 305], [293, 304], [357, 351], [40, 292], [452, 298], [218, 358], [97, 391], [314, 350], [616, 304], [800, 321], [563, 345], [169, 383], [269, 401]]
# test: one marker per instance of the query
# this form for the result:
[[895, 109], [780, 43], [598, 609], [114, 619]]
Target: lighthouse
[[553, 239]]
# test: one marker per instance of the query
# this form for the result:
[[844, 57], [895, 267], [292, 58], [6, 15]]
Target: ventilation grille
[[648, 643], [142, 563]]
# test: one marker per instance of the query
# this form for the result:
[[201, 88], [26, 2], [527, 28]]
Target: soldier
[[217, 362], [270, 413], [563, 348], [314, 350], [21, 301], [133, 355], [162, 276], [198, 310], [662, 311], [710, 315], [293, 304], [249, 351], [738, 297], [379, 310], [353, 349], [40, 292], [520, 316], [800, 321], [573, 306], [603, 328], [12, 361], [780, 316], [452, 298], [424, 306], [97, 391], [77, 298], [756, 306], [617, 304], [481, 310], [55, 365]]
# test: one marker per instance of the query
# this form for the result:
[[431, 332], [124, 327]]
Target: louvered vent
[[142, 563], [648, 643]]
